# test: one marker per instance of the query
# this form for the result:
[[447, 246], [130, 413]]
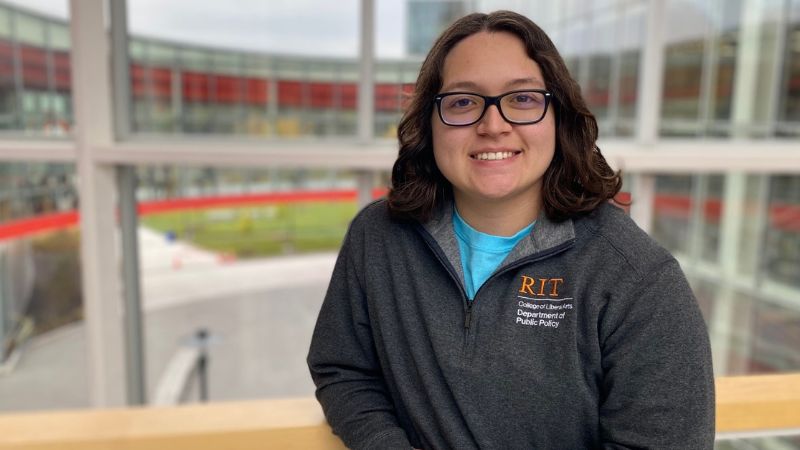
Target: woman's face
[[493, 160]]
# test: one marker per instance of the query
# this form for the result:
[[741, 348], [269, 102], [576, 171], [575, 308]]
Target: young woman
[[497, 299]]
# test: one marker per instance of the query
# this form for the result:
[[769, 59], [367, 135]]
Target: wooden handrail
[[759, 402], [748, 403]]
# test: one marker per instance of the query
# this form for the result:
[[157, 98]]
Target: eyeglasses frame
[[492, 100]]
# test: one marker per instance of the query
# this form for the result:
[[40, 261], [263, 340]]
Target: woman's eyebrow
[[466, 85], [525, 81], [472, 86]]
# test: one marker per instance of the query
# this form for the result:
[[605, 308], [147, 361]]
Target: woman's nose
[[493, 122]]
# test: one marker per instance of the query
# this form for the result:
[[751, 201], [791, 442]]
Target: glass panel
[[713, 204], [744, 273], [426, 19], [192, 72], [30, 30], [686, 25], [5, 22], [598, 87], [574, 48], [726, 42], [782, 442], [673, 211], [789, 111], [247, 255], [633, 37], [43, 348], [782, 252], [35, 91]]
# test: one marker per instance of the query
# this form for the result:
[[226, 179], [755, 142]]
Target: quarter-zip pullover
[[586, 336]]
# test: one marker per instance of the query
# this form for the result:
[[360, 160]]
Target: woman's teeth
[[492, 156]]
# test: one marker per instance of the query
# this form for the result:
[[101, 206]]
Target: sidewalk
[[175, 273], [260, 313]]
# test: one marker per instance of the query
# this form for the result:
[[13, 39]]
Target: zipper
[[437, 251]]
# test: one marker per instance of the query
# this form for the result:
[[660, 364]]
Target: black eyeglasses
[[523, 107]]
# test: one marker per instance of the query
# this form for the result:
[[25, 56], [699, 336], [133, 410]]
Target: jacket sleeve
[[658, 383], [344, 364]]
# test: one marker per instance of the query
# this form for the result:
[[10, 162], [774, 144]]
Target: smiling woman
[[498, 287]]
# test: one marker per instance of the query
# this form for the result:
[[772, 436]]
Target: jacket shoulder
[[613, 228], [375, 213]]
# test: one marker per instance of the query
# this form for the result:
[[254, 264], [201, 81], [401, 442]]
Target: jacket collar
[[544, 236]]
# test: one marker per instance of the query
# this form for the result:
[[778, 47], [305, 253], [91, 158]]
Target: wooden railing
[[744, 404]]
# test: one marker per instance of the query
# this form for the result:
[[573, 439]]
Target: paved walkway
[[174, 273], [260, 313]]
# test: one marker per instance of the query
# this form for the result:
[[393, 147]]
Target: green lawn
[[250, 232]]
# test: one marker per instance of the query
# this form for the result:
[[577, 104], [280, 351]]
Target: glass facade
[[218, 244], [222, 250], [35, 97], [40, 287]]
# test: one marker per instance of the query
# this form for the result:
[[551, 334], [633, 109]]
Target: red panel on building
[[322, 95], [290, 93], [349, 95], [195, 86], [257, 91], [63, 71], [34, 67], [228, 89]]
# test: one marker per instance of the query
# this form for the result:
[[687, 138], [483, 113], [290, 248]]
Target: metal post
[[648, 108], [202, 363], [642, 200], [366, 95], [134, 342], [94, 131], [128, 218], [366, 85], [651, 74], [365, 181], [19, 87]]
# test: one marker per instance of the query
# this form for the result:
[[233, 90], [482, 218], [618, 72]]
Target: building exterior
[[426, 19]]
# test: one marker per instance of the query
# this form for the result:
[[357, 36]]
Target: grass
[[251, 232]]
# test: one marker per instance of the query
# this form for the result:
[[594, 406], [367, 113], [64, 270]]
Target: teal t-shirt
[[482, 253]]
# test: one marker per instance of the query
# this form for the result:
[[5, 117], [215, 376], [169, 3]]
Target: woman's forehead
[[490, 60]]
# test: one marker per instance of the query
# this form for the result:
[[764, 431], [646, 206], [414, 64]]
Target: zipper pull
[[468, 316]]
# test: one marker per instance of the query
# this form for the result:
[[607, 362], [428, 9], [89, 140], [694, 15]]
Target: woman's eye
[[523, 98], [461, 102]]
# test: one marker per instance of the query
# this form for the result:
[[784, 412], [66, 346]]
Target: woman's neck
[[498, 218]]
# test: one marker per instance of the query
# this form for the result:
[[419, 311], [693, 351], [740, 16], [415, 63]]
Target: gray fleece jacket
[[586, 336]]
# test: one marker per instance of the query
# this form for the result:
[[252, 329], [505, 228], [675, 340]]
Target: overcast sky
[[311, 27]]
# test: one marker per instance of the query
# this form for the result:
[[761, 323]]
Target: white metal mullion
[[745, 88], [177, 101], [666, 156], [366, 93], [725, 304], [616, 70], [651, 75], [642, 200], [39, 150], [708, 72], [778, 59], [698, 196], [19, 88], [128, 220], [91, 91]]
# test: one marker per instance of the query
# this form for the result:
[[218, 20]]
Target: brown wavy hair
[[578, 178]]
